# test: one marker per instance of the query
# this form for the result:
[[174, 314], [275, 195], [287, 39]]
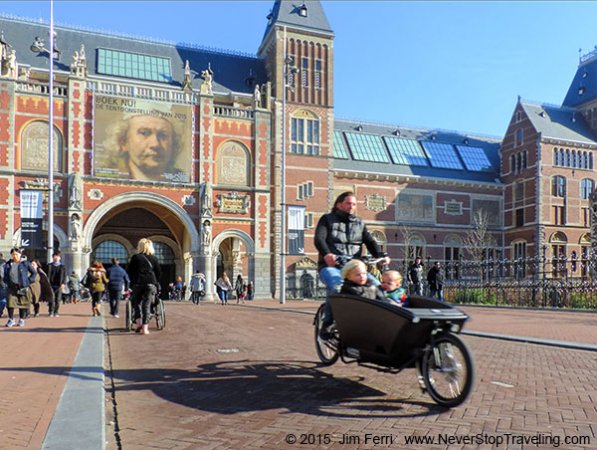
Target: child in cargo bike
[[357, 283]]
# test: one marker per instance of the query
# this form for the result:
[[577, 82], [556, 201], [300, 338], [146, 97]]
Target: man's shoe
[[56, 315], [116, 316], [21, 323], [10, 323]]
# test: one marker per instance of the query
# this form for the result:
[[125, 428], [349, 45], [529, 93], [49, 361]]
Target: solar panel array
[[410, 152]]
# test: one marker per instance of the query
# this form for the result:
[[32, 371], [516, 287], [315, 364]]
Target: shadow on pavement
[[243, 386]]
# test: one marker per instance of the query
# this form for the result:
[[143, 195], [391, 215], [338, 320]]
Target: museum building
[[183, 144]]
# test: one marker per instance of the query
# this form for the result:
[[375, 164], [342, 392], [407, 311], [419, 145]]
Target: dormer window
[[302, 10]]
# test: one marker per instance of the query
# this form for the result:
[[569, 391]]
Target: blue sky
[[449, 65]]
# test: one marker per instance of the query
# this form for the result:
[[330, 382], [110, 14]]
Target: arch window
[[591, 160], [305, 133], [34, 147], [107, 250], [234, 164], [562, 157], [380, 238], [556, 159], [163, 253], [574, 159], [558, 243], [587, 186]]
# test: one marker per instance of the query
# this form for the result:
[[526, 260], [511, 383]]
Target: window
[[107, 250], [512, 163], [520, 254], [558, 186], [519, 217], [442, 155], [558, 254], [317, 74], [519, 192], [474, 158], [163, 253], [452, 257], [309, 220], [405, 151], [305, 72], [305, 135], [519, 137], [567, 158], [367, 147], [304, 190], [559, 215], [556, 159], [574, 158], [586, 217], [340, 149], [133, 65], [587, 186]]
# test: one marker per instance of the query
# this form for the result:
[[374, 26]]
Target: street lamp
[[288, 80], [53, 53]]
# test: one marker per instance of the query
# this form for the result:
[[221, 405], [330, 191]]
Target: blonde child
[[391, 283], [356, 281]]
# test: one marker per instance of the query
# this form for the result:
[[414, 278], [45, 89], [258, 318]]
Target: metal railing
[[562, 282]]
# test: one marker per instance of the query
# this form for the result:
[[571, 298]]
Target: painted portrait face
[[149, 143]]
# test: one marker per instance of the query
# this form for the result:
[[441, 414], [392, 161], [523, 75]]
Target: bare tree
[[478, 238], [408, 237]]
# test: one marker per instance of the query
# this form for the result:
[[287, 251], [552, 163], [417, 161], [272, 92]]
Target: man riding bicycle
[[339, 236]]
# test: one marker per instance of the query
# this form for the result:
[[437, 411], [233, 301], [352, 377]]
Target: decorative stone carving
[[75, 231], [206, 235], [206, 86], [95, 194], [257, 96], [79, 65], [233, 203], [375, 202], [206, 207], [187, 82], [75, 191]]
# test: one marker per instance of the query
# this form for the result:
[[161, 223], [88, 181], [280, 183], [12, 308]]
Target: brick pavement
[[33, 371], [245, 377]]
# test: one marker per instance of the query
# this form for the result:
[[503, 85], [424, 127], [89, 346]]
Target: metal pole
[[283, 184], [51, 141]]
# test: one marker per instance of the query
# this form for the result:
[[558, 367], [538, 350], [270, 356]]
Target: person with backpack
[[97, 281], [197, 287], [19, 274], [144, 272]]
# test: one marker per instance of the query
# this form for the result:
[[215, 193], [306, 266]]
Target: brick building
[[213, 199]]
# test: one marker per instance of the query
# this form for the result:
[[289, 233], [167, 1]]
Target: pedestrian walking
[[250, 290], [97, 282], [118, 282], [435, 278], [74, 285], [2, 286], [144, 272], [57, 276], [18, 276], [197, 287], [41, 290], [415, 277], [223, 288], [239, 287]]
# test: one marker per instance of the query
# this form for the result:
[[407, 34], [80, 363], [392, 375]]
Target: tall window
[[519, 137], [558, 186], [305, 134], [587, 186], [305, 72], [559, 215], [318, 75], [520, 254], [558, 254], [107, 250]]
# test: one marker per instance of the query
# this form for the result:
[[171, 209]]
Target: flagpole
[[51, 141]]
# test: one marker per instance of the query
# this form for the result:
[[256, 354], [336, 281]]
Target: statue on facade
[[187, 82], [257, 96], [75, 227], [206, 86], [4, 48], [11, 64], [206, 206], [79, 64], [75, 191], [206, 234]]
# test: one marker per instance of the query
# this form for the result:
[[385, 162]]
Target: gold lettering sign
[[375, 203], [453, 208], [233, 203]]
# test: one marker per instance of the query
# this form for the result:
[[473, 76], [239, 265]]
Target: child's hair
[[351, 265], [393, 275]]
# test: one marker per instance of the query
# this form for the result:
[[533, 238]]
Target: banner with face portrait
[[142, 140]]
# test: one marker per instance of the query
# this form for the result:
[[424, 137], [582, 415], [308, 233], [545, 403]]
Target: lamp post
[[53, 53], [289, 69]]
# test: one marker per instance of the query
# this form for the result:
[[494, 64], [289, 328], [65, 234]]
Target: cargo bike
[[390, 338]]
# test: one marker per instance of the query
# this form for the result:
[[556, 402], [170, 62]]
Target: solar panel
[[442, 155], [340, 150], [367, 147], [475, 158], [406, 151]]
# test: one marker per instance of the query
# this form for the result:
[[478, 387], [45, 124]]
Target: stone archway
[[176, 217]]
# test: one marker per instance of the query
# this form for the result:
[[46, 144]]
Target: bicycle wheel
[[326, 349], [447, 369], [160, 314], [128, 316]]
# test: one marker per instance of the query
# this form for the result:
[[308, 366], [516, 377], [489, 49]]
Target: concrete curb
[[532, 340], [79, 420]]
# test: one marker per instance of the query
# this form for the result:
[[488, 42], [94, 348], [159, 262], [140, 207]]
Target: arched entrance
[[233, 252], [114, 229]]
